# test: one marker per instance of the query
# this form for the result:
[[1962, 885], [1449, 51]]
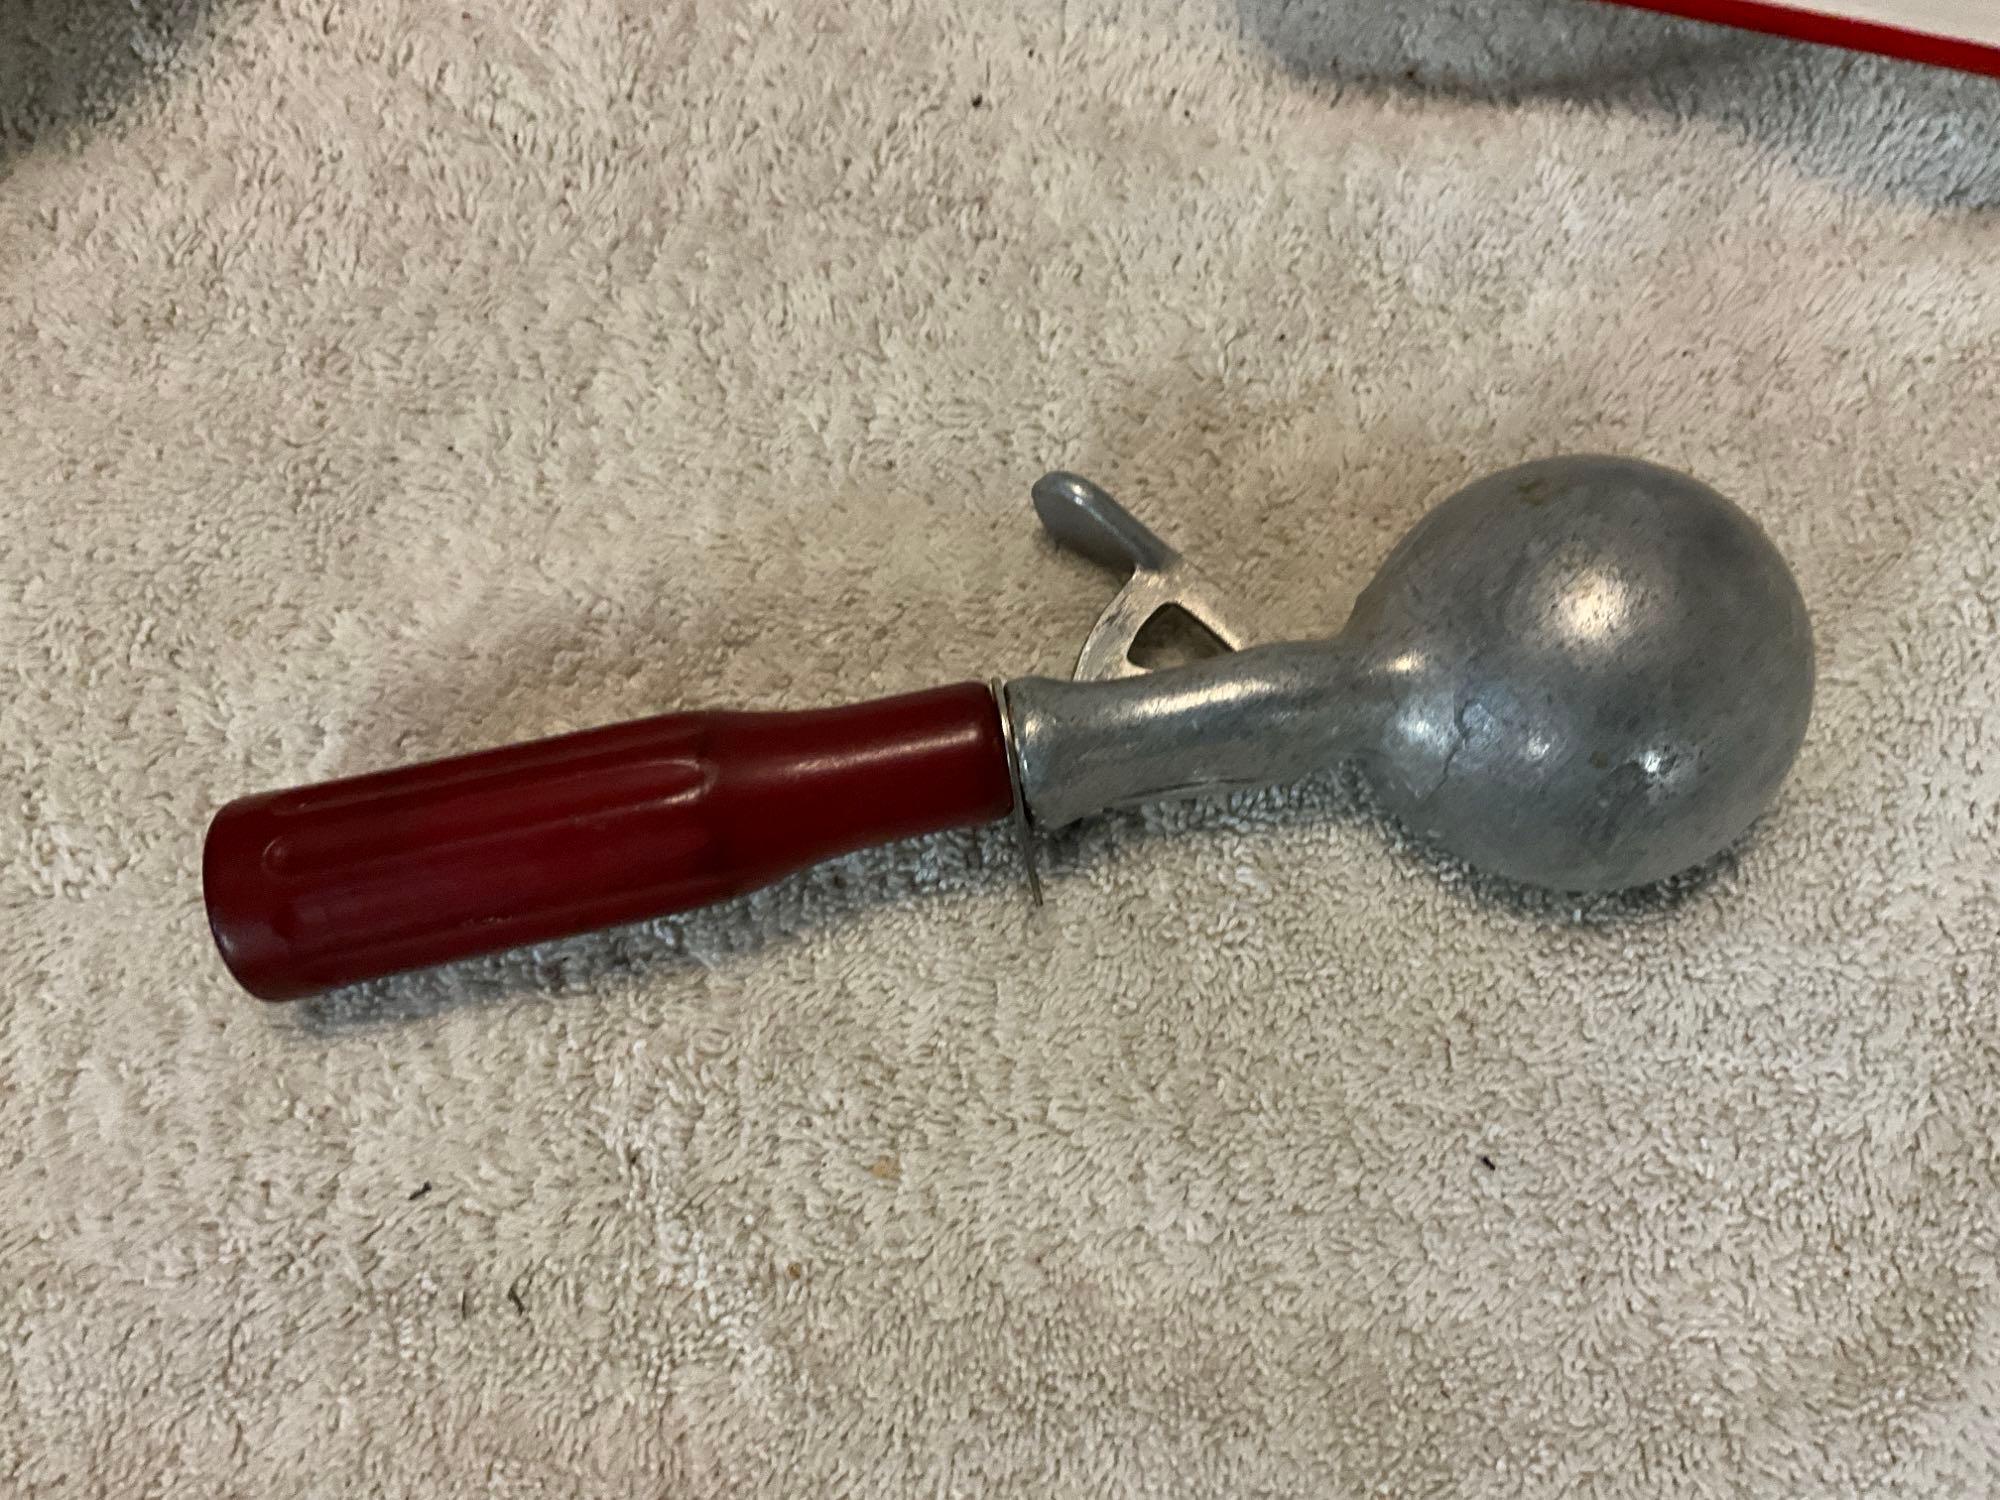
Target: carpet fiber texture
[[384, 380]]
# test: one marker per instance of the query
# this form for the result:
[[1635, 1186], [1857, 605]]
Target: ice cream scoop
[[1582, 673]]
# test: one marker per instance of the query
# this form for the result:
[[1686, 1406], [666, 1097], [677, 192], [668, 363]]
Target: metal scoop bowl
[[1583, 673]]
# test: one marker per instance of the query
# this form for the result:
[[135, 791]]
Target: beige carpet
[[385, 379]]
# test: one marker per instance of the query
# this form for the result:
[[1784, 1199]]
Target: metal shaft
[[1268, 714]]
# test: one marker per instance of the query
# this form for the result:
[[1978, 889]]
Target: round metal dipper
[[1582, 673]]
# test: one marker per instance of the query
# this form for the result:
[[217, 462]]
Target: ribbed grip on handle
[[328, 885]]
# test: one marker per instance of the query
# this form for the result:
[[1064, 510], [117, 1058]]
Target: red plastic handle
[[328, 885]]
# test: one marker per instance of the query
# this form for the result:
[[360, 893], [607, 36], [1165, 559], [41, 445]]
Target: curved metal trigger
[[1083, 517]]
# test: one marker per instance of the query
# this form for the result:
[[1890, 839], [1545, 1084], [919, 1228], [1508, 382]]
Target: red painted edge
[[1834, 31]]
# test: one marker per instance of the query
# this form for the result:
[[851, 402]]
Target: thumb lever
[[1084, 518]]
